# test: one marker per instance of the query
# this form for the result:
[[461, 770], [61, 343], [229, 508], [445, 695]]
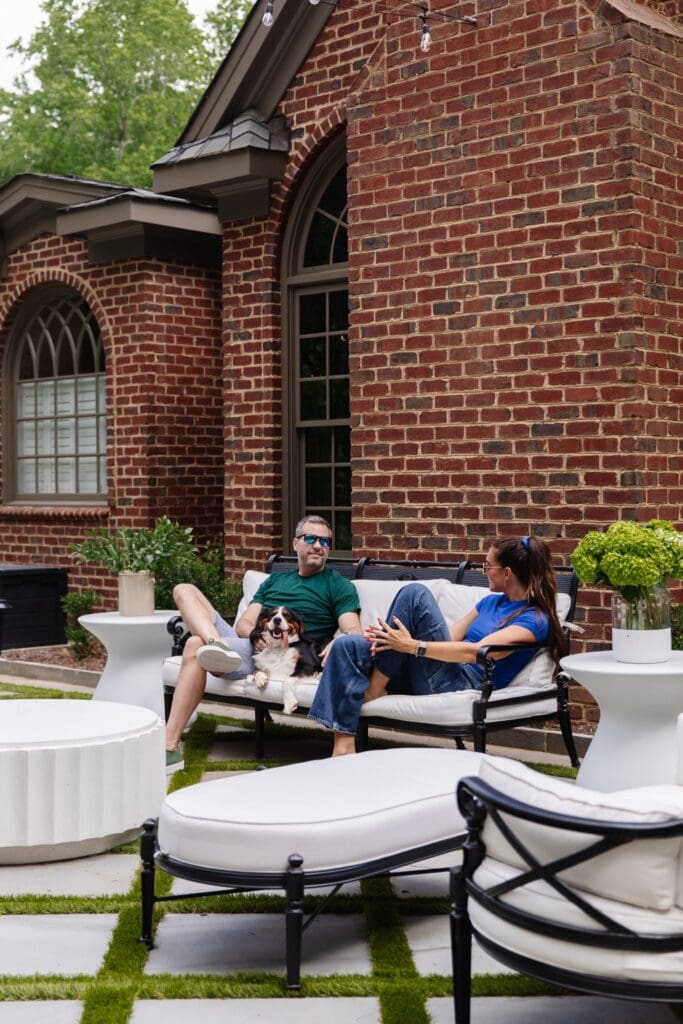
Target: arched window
[[57, 421], [317, 388]]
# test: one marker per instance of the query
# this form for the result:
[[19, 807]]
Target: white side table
[[76, 777], [635, 743], [136, 648]]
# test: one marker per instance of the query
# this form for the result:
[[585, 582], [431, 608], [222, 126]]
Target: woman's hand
[[384, 637]]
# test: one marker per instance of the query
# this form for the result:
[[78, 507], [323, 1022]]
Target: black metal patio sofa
[[536, 695]]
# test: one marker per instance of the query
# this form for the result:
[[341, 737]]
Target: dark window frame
[[76, 442], [300, 280]]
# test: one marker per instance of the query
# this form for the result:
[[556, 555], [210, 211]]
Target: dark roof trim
[[634, 11], [259, 66], [141, 224], [29, 204]]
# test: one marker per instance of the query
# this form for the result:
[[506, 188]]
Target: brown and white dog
[[288, 652]]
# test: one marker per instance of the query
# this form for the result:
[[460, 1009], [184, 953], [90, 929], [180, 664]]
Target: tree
[[222, 25], [112, 83]]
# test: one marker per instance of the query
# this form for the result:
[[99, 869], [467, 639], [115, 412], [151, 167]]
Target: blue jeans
[[339, 698]]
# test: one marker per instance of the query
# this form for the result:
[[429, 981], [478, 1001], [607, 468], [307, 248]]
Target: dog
[[288, 652]]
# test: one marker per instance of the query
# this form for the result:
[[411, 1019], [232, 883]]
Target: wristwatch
[[421, 651]]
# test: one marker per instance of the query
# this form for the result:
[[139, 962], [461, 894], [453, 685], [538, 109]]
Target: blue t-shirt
[[492, 613]]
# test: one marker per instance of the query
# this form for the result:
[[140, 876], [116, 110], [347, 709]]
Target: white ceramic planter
[[641, 646], [136, 593]]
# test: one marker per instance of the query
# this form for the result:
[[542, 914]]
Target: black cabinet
[[35, 618]]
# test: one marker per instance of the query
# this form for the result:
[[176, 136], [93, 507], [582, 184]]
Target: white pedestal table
[[136, 647], [636, 739], [76, 777]]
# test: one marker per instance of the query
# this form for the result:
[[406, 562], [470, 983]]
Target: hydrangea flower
[[631, 557]]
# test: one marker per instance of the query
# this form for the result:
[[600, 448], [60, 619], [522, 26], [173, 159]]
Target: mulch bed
[[58, 656]]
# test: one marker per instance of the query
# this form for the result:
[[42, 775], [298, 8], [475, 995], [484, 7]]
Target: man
[[326, 600]]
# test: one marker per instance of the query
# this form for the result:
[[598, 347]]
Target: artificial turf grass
[[28, 692], [109, 996]]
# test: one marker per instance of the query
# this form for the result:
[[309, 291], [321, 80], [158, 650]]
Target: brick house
[[436, 296]]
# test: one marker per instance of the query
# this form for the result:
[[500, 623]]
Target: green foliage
[[206, 571], [128, 550], [80, 642], [222, 25], [630, 557], [677, 627], [112, 83]]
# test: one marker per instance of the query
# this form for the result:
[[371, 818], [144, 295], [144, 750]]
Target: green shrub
[[127, 550], [677, 627], [80, 642], [206, 571]]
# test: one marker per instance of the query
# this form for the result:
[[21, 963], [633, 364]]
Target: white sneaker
[[217, 658]]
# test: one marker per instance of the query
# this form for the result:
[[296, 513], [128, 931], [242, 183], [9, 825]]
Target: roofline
[[259, 66]]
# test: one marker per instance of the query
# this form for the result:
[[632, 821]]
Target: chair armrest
[[176, 627], [485, 661]]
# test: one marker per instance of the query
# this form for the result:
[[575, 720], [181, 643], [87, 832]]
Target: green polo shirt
[[320, 599]]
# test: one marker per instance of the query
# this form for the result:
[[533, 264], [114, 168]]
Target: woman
[[414, 651]]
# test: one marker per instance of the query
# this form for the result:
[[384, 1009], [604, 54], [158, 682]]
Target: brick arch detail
[[36, 279], [320, 136]]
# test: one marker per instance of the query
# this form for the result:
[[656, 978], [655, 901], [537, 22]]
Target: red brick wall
[[161, 330], [514, 276]]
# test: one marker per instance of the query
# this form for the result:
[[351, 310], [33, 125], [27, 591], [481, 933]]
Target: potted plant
[[135, 555], [636, 560]]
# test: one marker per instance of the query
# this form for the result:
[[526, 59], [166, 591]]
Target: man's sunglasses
[[313, 538]]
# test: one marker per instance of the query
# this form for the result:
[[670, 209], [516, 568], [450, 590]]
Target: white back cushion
[[456, 600], [252, 581], [375, 596], [644, 873]]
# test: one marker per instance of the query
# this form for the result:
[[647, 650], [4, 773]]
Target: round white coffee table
[[136, 648], [76, 777], [636, 739]]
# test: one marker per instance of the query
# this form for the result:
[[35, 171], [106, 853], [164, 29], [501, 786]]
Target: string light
[[426, 35], [267, 18], [424, 14]]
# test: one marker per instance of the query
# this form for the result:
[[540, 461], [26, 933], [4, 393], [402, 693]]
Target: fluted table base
[[76, 777]]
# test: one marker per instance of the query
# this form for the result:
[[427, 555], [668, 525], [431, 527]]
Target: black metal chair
[[533, 902]]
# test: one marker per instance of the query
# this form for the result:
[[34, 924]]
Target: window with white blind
[[58, 404]]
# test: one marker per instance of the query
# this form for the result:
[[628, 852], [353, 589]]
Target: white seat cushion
[[324, 810], [454, 708], [538, 898]]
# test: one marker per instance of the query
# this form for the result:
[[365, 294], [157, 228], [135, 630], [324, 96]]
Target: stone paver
[[259, 1011], [182, 885], [53, 1011], [227, 943], [429, 939], [558, 1010], [103, 875], [434, 886], [54, 943], [228, 748]]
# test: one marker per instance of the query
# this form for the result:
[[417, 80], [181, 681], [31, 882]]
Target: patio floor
[[69, 952]]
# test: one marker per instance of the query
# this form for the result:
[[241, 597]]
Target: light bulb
[[314, 3], [267, 18], [425, 39]]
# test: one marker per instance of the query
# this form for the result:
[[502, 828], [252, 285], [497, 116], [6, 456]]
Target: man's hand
[[325, 651]]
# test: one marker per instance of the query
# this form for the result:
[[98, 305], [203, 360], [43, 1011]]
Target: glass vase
[[641, 626]]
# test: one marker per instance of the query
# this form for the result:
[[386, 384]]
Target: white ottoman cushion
[[338, 812]]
